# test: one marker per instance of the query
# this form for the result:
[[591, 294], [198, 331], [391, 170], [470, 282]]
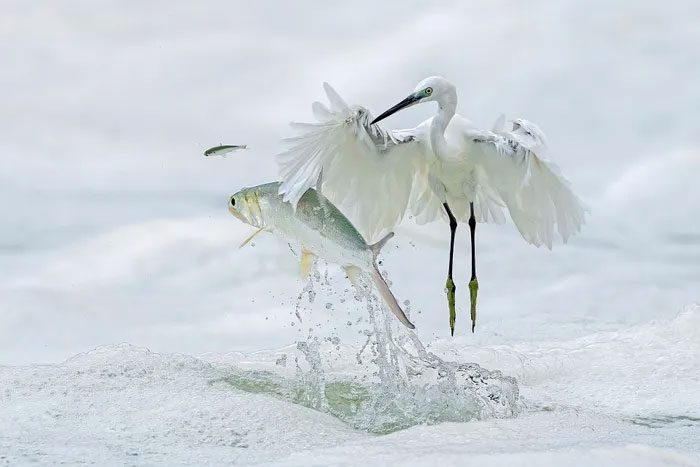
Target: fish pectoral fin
[[353, 273], [307, 260], [247, 240]]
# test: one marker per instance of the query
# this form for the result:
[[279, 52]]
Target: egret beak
[[409, 101]]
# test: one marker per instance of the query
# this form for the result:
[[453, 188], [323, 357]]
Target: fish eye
[[428, 91], [233, 202]]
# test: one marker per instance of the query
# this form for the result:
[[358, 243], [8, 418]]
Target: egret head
[[434, 88]]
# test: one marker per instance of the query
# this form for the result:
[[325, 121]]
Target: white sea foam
[[626, 398]]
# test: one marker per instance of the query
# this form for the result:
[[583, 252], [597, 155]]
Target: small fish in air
[[321, 229], [225, 150]]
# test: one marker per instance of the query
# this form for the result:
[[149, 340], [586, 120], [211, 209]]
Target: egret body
[[443, 167]]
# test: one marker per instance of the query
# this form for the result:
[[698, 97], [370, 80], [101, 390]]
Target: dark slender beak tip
[[409, 101]]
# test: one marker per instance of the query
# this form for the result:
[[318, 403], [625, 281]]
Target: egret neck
[[447, 105]]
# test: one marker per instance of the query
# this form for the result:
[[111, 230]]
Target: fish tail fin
[[386, 294], [377, 247]]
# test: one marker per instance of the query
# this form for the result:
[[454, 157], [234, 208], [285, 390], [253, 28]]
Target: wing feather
[[321, 112], [368, 172], [538, 197]]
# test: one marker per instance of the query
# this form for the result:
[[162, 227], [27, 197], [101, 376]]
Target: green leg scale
[[450, 287], [473, 283], [473, 291]]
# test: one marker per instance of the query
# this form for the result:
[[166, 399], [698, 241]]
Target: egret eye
[[428, 91], [233, 201]]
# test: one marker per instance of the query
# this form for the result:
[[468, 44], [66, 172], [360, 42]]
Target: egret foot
[[473, 291], [450, 288]]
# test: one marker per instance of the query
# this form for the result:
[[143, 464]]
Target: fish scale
[[321, 230]]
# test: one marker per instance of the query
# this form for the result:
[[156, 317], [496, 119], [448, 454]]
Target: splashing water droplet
[[396, 382]]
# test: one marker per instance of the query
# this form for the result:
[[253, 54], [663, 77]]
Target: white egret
[[444, 166]]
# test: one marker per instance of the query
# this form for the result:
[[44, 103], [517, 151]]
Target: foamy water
[[355, 387], [619, 398]]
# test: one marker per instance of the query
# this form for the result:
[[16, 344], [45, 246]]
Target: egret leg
[[473, 283], [450, 287]]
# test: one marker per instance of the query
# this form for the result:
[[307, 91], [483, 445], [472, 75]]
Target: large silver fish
[[321, 229]]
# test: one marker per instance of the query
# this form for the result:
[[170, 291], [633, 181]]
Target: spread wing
[[367, 172], [538, 197]]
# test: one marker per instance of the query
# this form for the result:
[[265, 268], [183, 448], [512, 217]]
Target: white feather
[[368, 173], [535, 192], [374, 176]]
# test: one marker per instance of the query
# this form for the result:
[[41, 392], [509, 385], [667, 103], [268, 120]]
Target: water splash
[[386, 383]]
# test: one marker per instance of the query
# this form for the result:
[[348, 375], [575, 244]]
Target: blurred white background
[[114, 227]]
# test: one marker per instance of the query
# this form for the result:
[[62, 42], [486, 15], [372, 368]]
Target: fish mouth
[[237, 214]]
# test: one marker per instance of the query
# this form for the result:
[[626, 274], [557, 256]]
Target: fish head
[[245, 206]]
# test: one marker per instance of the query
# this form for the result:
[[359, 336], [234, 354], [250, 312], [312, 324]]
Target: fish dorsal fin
[[377, 247], [307, 261], [245, 242], [353, 273]]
